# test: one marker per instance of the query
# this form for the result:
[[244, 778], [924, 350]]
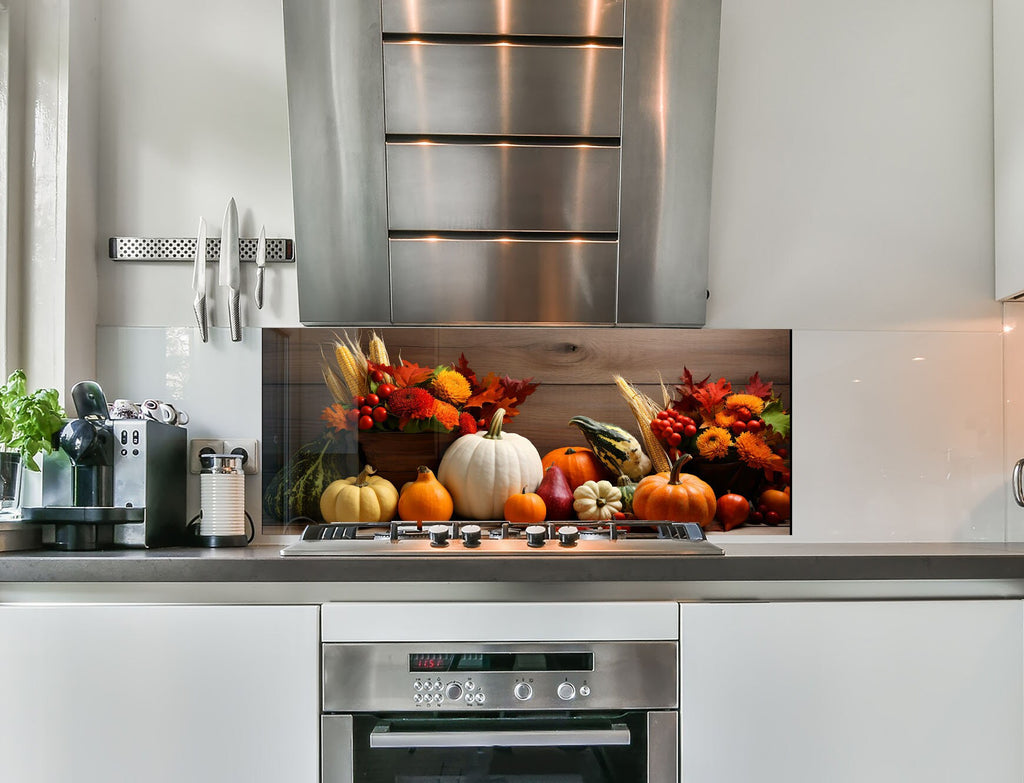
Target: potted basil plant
[[28, 423]]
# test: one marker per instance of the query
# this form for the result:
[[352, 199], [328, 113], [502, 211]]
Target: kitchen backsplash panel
[[913, 452]]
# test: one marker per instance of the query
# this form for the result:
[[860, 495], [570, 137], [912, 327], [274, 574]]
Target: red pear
[[557, 494]]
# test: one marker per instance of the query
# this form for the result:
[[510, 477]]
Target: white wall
[[852, 203]]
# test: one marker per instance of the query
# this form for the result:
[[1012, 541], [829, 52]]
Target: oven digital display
[[502, 662]]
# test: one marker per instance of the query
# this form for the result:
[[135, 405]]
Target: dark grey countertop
[[742, 562]]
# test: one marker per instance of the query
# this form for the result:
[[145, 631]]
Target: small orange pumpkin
[[425, 499], [578, 464], [675, 497], [526, 508]]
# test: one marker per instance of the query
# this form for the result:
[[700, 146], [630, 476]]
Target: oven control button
[[479, 698], [438, 698], [535, 535], [470, 685], [584, 690], [417, 686], [471, 535], [566, 691], [523, 691], [417, 699], [453, 691], [469, 699], [438, 535], [568, 535]]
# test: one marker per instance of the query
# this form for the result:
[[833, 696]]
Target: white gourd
[[596, 500], [484, 469]]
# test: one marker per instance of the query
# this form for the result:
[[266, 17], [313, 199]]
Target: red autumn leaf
[[409, 374], [710, 395], [518, 390], [759, 388], [462, 366]]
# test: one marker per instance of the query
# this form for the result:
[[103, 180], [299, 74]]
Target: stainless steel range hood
[[502, 161]]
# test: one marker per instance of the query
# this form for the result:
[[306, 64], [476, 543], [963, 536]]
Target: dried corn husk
[[644, 409], [339, 391], [378, 354]]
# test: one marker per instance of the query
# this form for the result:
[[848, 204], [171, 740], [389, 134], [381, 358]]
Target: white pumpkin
[[484, 469]]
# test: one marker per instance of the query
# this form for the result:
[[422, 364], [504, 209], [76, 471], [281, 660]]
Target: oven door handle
[[615, 734]]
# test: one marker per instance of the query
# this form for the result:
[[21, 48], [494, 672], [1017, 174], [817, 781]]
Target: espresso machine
[[112, 483]]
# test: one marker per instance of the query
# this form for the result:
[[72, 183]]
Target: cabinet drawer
[[499, 17], [502, 187], [502, 89], [510, 281]]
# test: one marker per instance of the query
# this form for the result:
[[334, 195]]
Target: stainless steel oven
[[518, 712]]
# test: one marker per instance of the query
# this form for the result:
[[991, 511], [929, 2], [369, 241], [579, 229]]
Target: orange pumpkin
[[526, 508], [425, 499], [675, 497], [578, 464]]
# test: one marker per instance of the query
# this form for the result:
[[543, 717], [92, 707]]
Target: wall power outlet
[[249, 448]]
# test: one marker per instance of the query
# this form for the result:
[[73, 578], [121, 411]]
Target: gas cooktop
[[469, 539]]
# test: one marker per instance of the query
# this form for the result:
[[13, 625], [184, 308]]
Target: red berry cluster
[[671, 427], [746, 422]]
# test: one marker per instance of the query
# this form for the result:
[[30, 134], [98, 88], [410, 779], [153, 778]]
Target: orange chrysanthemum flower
[[725, 419], [336, 417], [756, 453], [447, 415], [451, 386], [753, 404], [714, 443]]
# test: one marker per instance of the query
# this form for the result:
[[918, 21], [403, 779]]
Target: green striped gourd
[[617, 449]]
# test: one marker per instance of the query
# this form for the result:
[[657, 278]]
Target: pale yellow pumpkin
[[484, 469], [362, 498]]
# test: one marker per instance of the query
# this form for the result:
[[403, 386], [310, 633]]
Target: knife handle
[[258, 293], [199, 305], [235, 316]]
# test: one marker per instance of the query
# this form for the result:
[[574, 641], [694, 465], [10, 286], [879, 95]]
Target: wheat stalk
[[644, 409], [335, 385]]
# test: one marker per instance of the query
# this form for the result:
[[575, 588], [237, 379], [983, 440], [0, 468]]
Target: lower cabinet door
[[858, 692], [196, 694]]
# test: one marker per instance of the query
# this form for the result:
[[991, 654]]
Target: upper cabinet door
[[1008, 128]]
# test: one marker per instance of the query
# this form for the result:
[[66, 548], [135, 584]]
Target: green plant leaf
[[776, 415], [28, 422]]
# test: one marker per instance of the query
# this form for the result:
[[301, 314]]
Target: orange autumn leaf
[[489, 391], [336, 418], [410, 374]]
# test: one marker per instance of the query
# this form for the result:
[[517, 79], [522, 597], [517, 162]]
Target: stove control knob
[[471, 535], [535, 535], [453, 691], [566, 691], [568, 535], [523, 691], [438, 535]]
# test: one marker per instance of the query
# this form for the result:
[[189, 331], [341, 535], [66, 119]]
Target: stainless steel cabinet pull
[[383, 737], [1018, 487]]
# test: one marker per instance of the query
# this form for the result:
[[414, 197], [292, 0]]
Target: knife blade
[[199, 282], [229, 274], [261, 262]]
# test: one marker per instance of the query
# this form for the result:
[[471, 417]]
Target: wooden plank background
[[573, 365]]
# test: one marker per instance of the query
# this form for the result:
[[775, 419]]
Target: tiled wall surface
[[852, 203]]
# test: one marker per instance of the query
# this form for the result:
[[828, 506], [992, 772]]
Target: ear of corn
[[378, 353], [352, 364], [644, 409]]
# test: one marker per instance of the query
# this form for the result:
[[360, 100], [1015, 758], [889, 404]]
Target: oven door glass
[[592, 748]]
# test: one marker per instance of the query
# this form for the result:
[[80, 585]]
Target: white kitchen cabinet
[[159, 693], [886, 692]]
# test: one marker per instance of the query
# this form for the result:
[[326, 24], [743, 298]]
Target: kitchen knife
[[229, 276], [261, 262], [199, 282]]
